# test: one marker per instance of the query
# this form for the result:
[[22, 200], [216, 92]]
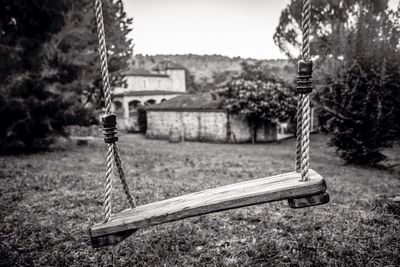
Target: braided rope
[[103, 55], [305, 141], [108, 184], [121, 173], [112, 150], [306, 25], [303, 108], [298, 134]]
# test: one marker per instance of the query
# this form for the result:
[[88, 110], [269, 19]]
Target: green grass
[[49, 199]]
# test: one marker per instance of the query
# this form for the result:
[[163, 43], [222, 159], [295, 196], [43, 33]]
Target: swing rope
[[109, 123], [304, 88]]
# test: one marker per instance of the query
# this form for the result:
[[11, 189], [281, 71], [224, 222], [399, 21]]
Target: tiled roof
[[143, 73], [144, 93], [205, 102]]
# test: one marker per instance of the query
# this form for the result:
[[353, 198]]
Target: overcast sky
[[227, 27]]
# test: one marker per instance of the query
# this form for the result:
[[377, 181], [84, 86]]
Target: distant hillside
[[204, 67]]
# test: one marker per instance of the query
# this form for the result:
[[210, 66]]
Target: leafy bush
[[259, 97]]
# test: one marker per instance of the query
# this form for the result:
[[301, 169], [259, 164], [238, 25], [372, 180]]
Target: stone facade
[[207, 125], [240, 132], [169, 80], [194, 125], [145, 88]]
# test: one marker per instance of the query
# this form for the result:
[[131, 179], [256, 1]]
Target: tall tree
[[356, 47], [50, 69], [331, 21]]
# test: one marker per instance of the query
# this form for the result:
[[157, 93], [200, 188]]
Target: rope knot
[[110, 128], [304, 83]]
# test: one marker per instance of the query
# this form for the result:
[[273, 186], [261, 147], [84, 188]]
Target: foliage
[[50, 68], [210, 70], [191, 85], [331, 21], [220, 78], [362, 96], [258, 97], [358, 72]]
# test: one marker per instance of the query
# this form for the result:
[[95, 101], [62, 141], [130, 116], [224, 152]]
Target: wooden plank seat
[[263, 190]]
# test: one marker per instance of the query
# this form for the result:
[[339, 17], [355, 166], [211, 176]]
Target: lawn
[[49, 199]]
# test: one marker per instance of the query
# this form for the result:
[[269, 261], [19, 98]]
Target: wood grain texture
[[268, 189]]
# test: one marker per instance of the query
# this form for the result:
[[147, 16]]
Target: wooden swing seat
[[273, 188]]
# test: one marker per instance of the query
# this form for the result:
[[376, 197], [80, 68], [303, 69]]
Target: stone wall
[[240, 131], [170, 80], [205, 125], [194, 125], [146, 83]]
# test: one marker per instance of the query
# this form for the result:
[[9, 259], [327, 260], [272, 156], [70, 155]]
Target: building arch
[[118, 107], [150, 102], [133, 107]]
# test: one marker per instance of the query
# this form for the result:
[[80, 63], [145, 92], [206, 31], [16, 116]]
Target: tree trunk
[[253, 131]]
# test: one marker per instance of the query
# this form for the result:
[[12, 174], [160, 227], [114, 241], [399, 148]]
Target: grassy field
[[49, 199]]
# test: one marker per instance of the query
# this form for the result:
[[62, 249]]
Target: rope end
[[304, 83], [109, 122]]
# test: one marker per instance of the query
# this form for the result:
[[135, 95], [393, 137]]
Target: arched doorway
[[133, 107], [118, 108]]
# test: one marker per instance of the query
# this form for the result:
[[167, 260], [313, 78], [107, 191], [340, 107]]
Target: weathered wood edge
[[309, 201], [108, 240]]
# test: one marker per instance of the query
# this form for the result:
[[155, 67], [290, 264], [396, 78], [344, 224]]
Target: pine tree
[[50, 68]]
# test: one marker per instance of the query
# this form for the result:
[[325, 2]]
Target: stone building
[[202, 118], [146, 88]]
